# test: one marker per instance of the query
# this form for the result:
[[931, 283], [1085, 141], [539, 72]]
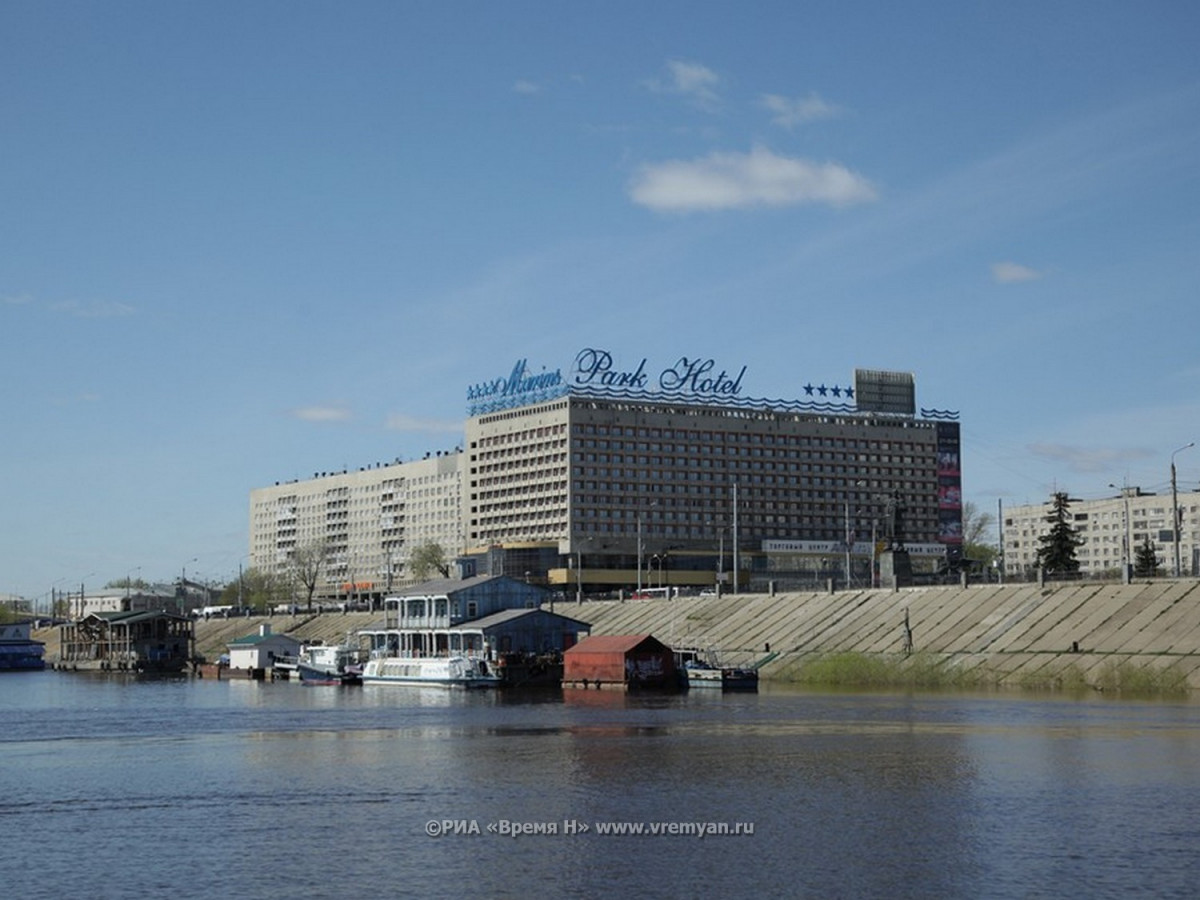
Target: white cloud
[[692, 80], [746, 180], [402, 422], [1011, 272], [1089, 460], [790, 112], [95, 309], [321, 414], [521, 86]]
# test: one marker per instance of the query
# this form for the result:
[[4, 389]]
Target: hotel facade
[[604, 478]]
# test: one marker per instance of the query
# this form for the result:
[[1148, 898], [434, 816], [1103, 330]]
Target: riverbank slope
[[1007, 635]]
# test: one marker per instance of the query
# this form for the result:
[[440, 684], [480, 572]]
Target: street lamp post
[[1175, 506], [849, 540], [720, 557], [737, 562], [1126, 541], [129, 580], [639, 551], [850, 536], [183, 585], [579, 569]]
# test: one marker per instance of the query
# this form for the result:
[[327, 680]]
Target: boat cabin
[[469, 616], [18, 650], [131, 641]]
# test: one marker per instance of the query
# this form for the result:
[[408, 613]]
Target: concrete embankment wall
[[1018, 634], [1012, 634]]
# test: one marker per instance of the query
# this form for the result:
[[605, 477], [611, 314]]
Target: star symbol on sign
[[822, 390], [850, 392], [808, 389], [837, 391]]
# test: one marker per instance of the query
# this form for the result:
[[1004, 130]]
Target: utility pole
[[1000, 534], [736, 558], [1175, 507], [639, 551], [847, 541]]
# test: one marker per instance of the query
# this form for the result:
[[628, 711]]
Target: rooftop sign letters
[[517, 387], [594, 368], [689, 380]]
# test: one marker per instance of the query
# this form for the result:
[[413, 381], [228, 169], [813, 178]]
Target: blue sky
[[246, 242]]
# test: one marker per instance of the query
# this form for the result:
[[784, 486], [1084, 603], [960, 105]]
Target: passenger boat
[[453, 671], [329, 664]]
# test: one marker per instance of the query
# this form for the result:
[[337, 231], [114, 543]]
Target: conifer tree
[[1057, 551], [1146, 562]]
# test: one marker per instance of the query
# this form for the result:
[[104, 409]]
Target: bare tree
[[977, 532], [305, 567]]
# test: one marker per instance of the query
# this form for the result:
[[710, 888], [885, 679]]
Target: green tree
[[1146, 561], [1057, 551], [257, 589], [426, 559]]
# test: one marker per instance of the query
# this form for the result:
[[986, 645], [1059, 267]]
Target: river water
[[117, 787]]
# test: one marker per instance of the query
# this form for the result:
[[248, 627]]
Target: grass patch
[[1069, 679], [1128, 678], [920, 670], [930, 671]]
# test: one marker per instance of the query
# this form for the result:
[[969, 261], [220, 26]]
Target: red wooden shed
[[626, 661]]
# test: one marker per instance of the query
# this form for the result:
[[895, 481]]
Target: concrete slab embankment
[[1016, 632]]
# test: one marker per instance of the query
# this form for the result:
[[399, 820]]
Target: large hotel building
[[604, 479]]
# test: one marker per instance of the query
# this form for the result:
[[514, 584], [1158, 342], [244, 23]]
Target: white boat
[[464, 671], [723, 678], [329, 664]]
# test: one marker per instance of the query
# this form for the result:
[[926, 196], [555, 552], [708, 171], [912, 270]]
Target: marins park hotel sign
[[596, 373]]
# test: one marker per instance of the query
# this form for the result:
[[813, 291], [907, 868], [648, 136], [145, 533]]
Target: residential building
[[1111, 530], [369, 521]]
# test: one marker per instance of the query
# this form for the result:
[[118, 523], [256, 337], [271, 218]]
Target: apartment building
[[1111, 529], [368, 520]]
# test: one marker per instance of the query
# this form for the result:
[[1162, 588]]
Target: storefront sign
[[824, 548]]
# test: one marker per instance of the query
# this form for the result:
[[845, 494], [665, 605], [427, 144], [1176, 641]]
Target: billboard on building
[[885, 392], [949, 476]]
